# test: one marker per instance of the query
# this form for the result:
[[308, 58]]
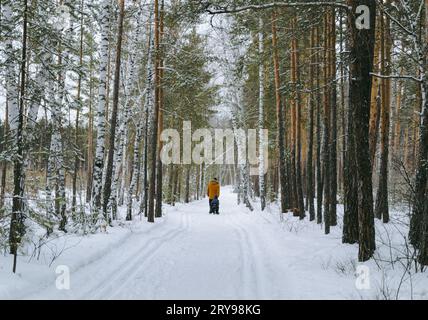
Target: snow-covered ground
[[238, 254]]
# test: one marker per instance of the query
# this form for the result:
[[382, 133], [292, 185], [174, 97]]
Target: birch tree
[[102, 87]]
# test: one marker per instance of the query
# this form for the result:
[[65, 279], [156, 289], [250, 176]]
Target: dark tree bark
[[187, 185], [155, 121], [159, 192], [350, 187], [333, 105], [419, 221], [298, 119], [361, 57], [143, 205], [350, 183], [17, 219], [327, 119]]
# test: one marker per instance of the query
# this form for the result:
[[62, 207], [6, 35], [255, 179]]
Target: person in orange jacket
[[213, 192]]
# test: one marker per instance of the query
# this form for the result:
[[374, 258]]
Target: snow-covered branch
[[222, 10], [393, 19], [396, 76]]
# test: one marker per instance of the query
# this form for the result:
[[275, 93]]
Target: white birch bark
[[11, 76], [240, 138], [130, 87], [100, 147], [148, 106]]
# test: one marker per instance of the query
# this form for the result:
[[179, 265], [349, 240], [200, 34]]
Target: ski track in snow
[[193, 255], [113, 286], [250, 278], [190, 254]]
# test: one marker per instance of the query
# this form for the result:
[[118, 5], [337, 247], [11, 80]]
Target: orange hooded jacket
[[213, 189]]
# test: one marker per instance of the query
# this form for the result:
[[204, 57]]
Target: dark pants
[[213, 208]]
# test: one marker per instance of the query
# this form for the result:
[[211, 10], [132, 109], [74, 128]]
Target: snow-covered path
[[190, 254], [194, 256]]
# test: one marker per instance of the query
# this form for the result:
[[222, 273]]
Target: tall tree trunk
[[319, 175], [309, 166], [361, 57], [56, 152], [17, 219], [76, 137], [148, 110], [279, 117], [350, 232], [262, 190], [381, 207], [160, 102], [350, 183], [396, 137], [298, 120], [327, 119], [101, 108], [90, 137], [187, 185], [333, 105], [113, 120], [342, 105], [375, 94], [4, 163], [350, 186], [151, 206], [419, 220]]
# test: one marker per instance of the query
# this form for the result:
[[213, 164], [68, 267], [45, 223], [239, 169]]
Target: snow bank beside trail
[[72, 250], [327, 269]]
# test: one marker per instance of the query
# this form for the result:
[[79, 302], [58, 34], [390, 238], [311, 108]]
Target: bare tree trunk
[[76, 137], [280, 117], [319, 175], [17, 219], [298, 129], [113, 120], [90, 138], [375, 96], [151, 207], [310, 170], [102, 101], [326, 135], [187, 185], [361, 57], [333, 105], [381, 208], [418, 233], [396, 136], [262, 186], [4, 163], [159, 191]]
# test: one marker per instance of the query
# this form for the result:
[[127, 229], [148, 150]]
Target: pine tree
[[381, 207], [361, 55], [280, 117], [262, 190]]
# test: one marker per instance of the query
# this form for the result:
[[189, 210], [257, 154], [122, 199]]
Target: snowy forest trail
[[194, 255]]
